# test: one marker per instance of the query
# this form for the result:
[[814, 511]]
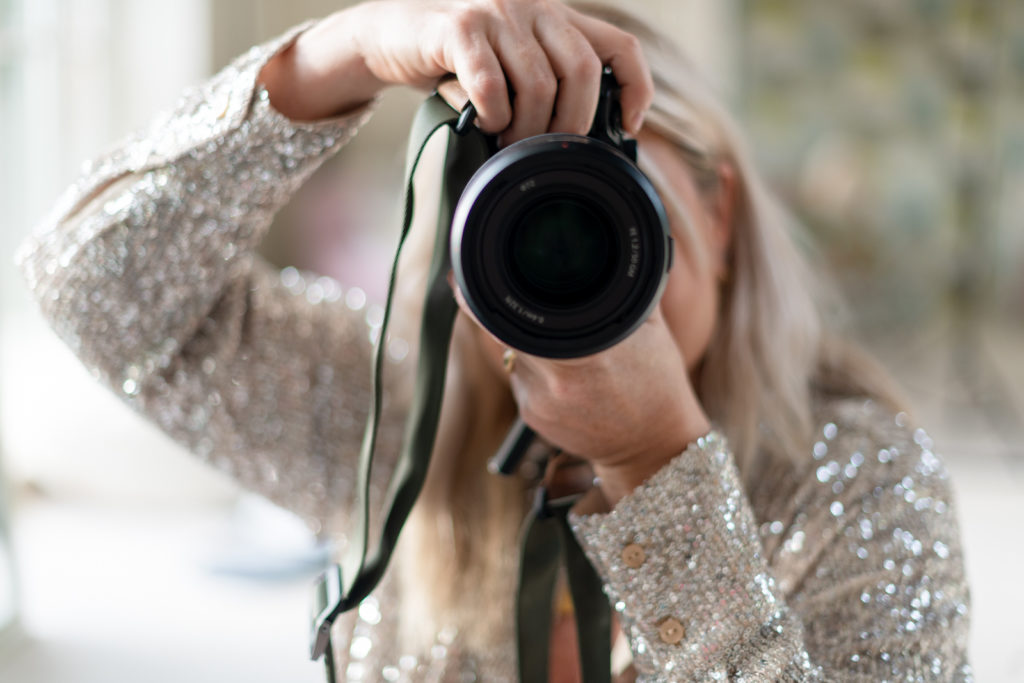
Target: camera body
[[559, 243]]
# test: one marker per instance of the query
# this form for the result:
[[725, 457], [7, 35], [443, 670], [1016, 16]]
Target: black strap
[[344, 586], [547, 542], [547, 537]]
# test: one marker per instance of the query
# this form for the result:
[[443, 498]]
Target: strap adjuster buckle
[[326, 598], [465, 120]]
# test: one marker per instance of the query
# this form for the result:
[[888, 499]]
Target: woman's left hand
[[628, 410]]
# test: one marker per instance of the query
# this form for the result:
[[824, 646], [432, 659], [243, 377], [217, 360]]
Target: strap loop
[[548, 541], [465, 120]]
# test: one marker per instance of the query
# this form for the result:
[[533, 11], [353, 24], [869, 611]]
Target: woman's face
[[690, 303]]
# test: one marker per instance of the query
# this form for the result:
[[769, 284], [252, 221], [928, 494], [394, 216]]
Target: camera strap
[[548, 540], [547, 544], [343, 586]]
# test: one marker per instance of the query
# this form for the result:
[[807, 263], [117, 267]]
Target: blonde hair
[[768, 358], [770, 351]]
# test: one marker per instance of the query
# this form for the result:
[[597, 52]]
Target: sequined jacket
[[146, 267]]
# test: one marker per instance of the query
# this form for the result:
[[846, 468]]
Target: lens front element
[[561, 252]]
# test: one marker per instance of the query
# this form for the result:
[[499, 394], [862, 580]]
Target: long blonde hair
[[768, 359]]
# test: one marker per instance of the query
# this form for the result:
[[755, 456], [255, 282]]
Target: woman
[[809, 536]]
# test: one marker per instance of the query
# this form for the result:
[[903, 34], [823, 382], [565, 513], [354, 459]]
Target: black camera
[[560, 244], [561, 247]]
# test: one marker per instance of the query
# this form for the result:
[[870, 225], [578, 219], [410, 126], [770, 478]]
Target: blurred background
[[894, 129]]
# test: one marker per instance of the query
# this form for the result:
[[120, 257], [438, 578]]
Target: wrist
[[618, 479], [322, 73]]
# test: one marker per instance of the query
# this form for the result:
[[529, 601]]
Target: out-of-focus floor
[[131, 595], [164, 618]]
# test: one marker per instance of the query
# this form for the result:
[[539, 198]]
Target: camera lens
[[561, 252], [560, 245]]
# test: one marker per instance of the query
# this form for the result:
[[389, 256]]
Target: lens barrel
[[560, 245]]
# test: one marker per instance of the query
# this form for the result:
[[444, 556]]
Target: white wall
[[77, 75]]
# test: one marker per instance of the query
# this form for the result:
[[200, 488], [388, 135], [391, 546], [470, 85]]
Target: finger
[[452, 91], [529, 386], [533, 80], [525, 365], [622, 52], [480, 75], [460, 299], [656, 316], [578, 69]]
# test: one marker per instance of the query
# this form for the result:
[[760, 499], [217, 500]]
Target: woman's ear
[[723, 215]]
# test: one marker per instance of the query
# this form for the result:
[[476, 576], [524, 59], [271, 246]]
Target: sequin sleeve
[[860, 579], [147, 269]]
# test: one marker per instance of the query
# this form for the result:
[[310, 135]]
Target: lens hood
[[560, 245]]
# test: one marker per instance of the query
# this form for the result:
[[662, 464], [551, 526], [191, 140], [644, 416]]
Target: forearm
[[866, 582], [147, 269], [93, 264], [617, 479], [679, 556]]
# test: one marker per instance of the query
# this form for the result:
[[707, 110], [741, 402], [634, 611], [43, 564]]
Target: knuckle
[[630, 44], [528, 5], [541, 84], [561, 390], [467, 19], [530, 416], [489, 86], [489, 93], [587, 67]]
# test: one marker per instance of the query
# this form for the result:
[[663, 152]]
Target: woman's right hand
[[550, 55]]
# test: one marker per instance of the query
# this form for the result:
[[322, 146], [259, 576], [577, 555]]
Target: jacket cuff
[[683, 568]]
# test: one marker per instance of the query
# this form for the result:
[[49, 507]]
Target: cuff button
[[671, 631], [633, 555]]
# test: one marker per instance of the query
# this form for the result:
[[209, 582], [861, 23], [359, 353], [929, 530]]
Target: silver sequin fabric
[[147, 269]]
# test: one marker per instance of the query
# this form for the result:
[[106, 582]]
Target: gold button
[[671, 631], [633, 555]]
